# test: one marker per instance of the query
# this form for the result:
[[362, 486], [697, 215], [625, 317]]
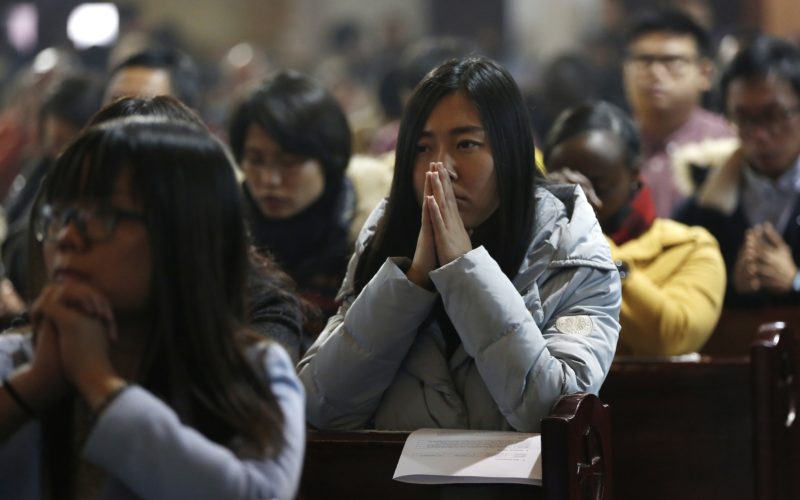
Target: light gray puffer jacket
[[550, 332]]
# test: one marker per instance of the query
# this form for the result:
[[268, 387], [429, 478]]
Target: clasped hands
[[765, 262], [73, 327], [442, 235]]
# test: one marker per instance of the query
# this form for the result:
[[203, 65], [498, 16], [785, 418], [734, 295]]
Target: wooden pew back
[[575, 462], [776, 394], [737, 329], [681, 429]]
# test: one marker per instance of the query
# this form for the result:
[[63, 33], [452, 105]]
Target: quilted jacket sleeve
[[358, 353], [527, 368]]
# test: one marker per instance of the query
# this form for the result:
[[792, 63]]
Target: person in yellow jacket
[[673, 275]]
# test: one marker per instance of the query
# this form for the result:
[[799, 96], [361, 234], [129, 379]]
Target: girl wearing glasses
[[139, 379], [477, 295]]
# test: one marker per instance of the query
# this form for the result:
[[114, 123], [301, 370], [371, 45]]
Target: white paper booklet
[[442, 456]]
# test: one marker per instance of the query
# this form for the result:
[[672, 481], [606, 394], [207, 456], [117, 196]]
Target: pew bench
[[576, 463]]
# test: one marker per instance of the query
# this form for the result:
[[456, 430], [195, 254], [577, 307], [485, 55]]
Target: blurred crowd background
[[561, 53]]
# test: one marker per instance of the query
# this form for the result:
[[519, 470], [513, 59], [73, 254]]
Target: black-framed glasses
[[94, 225], [674, 64], [773, 119]]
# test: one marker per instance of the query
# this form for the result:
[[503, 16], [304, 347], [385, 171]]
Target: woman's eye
[[468, 144], [423, 148]]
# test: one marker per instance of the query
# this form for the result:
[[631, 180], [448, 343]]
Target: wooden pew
[[681, 429], [737, 329], [575, 462], [776, 393]]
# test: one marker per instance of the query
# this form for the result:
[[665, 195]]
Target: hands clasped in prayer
[[442, 235], [74, 325], [765, 262]]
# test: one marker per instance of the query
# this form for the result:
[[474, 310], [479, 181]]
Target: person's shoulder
[[695, 161], [710, 124], [370, 226], [268, 354], [271, 358], [273, 363], [369, 172], [554, 202], [371, 178], [566, 221], [671, 232], [566, 203]]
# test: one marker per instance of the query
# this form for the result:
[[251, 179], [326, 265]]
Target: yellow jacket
[[673, 295]]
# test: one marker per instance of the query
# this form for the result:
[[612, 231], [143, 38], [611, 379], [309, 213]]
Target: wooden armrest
[[576, 459], [578, 431]]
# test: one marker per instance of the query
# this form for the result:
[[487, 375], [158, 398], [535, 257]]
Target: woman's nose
[[70, 237], [447, 160], [271, 175]]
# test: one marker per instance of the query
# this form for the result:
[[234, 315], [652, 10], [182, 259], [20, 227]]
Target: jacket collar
[[662, 235], [562, 233], [721, 191]]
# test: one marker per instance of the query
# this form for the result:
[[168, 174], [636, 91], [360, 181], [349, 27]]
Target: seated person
[[155, 71], [140, 379], [752, 203], [477, 296], [65, 110], [274, 309], [673, 277], [293, 143], [666, 71]]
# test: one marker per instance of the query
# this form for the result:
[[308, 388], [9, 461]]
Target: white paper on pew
[[442, 456]]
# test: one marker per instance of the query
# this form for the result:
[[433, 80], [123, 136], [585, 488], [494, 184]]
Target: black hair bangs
[[86, 171]]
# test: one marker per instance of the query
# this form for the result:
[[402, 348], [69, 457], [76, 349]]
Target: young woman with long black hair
[[139, 378], [477, 295]]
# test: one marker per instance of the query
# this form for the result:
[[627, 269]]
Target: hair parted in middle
[[503, 114], [300, 115]]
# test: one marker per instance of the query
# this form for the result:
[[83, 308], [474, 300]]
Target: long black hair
[[194, 356], [508, 231]]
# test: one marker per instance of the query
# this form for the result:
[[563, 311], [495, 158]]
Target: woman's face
[[454, 135], [282, 184], [600, 157], [119, 267]]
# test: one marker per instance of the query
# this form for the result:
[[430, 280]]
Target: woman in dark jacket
[[292, 142]]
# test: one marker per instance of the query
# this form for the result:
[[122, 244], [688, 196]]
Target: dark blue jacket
[[718, 208]]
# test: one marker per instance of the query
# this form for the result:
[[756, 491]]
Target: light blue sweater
[[147, 453]]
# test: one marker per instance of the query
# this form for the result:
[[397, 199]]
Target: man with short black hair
[[152, 72], [752, 203], [666, 72]]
